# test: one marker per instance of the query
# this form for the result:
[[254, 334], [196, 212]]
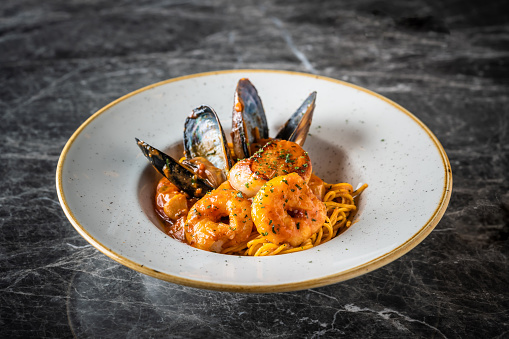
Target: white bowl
[[106, 186]]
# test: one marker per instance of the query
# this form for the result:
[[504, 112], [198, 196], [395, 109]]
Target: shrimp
[[219, 220], [286, 210], [172, 205], [276, 158]]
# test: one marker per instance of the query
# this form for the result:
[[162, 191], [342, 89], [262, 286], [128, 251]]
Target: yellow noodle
[[360, 189], [267, 248], [239, 247], [279, 249], [337, 204], [330, 231], [319, 235]]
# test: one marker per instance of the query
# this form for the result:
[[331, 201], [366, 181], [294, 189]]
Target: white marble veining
[[445, 61]]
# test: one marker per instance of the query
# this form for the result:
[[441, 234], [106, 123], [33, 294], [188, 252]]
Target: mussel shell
[[204, 137], [297, 127], [179, 175], [248, 119]]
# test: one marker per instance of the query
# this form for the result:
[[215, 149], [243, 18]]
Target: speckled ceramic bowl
[[106, 186]]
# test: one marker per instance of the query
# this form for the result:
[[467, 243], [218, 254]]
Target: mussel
[[205, 145], [249, 122], [207, 155], [178, 174], [297, 127]]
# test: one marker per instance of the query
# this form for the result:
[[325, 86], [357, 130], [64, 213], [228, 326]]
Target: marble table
[[445, 61]]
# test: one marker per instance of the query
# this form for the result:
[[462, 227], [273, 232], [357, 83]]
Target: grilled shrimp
[[218, 220], [276, 158], [285, 210]]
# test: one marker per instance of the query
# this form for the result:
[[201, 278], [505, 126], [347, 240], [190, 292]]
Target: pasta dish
[[267, 202]]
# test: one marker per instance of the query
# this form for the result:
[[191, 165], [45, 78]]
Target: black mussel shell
[[297, 127], [248, 119], [179, 175], [204, 137]]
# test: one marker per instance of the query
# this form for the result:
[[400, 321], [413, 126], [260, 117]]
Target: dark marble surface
[[445, 61]]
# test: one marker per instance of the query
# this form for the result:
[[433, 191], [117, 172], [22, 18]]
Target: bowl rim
[[353, 272]]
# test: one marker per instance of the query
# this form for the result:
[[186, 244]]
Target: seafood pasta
[[273, 214], [266, 202]]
